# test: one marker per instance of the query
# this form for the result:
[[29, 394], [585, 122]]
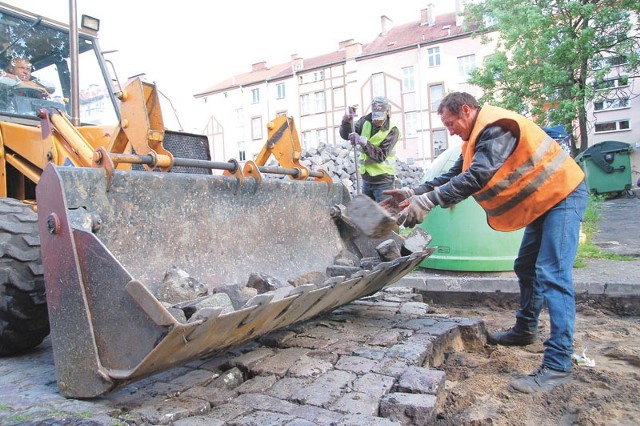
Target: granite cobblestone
[[371, 362]]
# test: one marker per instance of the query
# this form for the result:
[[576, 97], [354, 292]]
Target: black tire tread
[[24, 321]]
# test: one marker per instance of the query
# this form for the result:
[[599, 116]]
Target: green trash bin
[[607, 167], [464, 240]]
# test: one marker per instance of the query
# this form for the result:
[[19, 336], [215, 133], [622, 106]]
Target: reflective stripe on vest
[[371, 167], [534, 178]]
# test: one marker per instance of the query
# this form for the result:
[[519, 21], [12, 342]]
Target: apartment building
[[413, 64], [614, 113]]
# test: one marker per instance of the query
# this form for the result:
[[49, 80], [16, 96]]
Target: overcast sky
[[188, 46]]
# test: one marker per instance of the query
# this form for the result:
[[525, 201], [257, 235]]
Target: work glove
[[416, 209], [350, 115], [396, 196], [357, 139]]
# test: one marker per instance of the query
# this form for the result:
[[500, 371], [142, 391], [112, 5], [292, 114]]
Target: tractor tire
[[24, 320]]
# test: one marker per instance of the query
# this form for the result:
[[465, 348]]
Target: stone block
[[258, 384], [374, 384], [325, 389], [409, 409], [356, 403], [357, 364]]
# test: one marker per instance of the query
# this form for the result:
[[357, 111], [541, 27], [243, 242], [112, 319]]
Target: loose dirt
[[607, 394]]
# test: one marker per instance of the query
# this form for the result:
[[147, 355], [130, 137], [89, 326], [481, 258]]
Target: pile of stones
[[338, 162], [189, 300]]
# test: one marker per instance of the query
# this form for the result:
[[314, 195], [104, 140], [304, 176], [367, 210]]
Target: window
[[306, 140], [436, 93], [255, 96], [466, 64], [280, 90], [611, 61], [411, 123], [336, 135], [312, 103], [408, 80], [612, 126], [606, 104], [44, 50], [310, 77], [377, 81], [321, 136], [242, 155], [256, 128], [434, 56], [338, 97], [489, 20], [611, 83], [320, 105], [439, 138], [305, 107]]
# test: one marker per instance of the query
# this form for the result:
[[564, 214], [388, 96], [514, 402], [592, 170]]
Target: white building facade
[[414, 65]]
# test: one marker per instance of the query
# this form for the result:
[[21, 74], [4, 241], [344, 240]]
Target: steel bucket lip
[[199, 335], [89, 279]]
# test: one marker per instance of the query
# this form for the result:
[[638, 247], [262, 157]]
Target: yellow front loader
[[114, 218]]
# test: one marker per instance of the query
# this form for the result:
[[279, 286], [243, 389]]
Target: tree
[[552, 55]]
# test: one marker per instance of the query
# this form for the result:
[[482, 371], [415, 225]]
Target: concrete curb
[[425, 281]]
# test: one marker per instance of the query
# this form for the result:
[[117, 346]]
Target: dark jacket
[[494, 145]]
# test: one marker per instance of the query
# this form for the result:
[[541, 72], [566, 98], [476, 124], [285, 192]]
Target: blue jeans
[[374, 190], [544, 268]]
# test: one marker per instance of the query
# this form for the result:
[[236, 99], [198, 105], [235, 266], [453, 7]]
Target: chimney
[[258, 66], [343, 44], [353, 50], [427, 16], [296, 62], [459, 10], [385, 24]]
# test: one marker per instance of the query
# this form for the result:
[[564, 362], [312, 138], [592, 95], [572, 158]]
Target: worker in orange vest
[[521, 177]]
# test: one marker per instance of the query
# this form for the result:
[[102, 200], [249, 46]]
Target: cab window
[[35, 72]]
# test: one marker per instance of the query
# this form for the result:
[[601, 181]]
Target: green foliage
[[592, 214], [549, 50], [19, 418]]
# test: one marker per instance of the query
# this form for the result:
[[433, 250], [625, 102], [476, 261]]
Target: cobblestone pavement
[[372, 362]]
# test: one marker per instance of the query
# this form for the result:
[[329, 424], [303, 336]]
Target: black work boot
[[543, 379], [512, 337]]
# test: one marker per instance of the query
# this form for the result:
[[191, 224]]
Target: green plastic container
[[464, 240], [607, 167]]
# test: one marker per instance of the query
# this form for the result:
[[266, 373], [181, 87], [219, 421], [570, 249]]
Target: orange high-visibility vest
[[534, 178]]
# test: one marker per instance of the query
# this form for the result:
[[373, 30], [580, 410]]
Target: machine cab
[[35, 71]]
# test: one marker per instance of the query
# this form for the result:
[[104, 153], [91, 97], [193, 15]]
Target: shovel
[[355, 153]]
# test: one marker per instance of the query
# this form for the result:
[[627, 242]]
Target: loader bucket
[[108, 240]]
